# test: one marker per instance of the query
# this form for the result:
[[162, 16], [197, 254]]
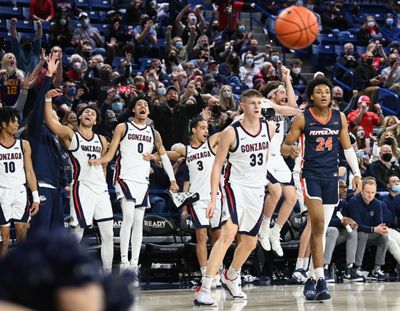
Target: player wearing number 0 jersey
[[282, 100], [199, 157], [89, 194], [245, 145], [323, 129], [15, 171], [133, 142]]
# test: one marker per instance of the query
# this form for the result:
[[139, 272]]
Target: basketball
[[296, 27]]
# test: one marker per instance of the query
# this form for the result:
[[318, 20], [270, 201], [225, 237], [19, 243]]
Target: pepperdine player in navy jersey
[[15, 171], [245, 145], [134, 141], [323, 129], [199, 158], [89, 192]]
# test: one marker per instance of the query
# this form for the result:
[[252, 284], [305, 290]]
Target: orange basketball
[[296, 27]]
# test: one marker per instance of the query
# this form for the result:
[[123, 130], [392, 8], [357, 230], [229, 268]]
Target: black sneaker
[[328, 276], [309, 289], [350, 276], [379, 275], [322, 292]]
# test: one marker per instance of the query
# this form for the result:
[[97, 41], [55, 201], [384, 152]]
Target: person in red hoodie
[[42, 10], [227, 7]]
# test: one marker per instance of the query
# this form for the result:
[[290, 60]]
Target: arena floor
[[351, 296]]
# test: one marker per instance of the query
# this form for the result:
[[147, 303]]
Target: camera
[[268, 113]]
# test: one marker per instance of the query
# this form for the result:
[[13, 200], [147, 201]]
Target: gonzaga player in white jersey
[[199, 158], [15, 170], [246, 144], [134, 142], [89, 193], [282, 100]]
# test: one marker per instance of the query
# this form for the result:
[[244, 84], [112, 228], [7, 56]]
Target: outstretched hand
[[52, 63], [54, 93]]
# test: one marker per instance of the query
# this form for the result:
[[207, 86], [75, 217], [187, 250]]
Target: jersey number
[[253, 158], [9, 167], [200, 165], [12, 90], [324, 144], [91, 156], [278, 126], [140, 147]]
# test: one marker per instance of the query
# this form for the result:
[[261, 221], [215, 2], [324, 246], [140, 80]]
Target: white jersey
[[277, 140], [247, 162], [12, 171], [130, 163], [81, 151], [199, 162]]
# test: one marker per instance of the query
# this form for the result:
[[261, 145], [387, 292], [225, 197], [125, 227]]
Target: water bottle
[[333, 272]]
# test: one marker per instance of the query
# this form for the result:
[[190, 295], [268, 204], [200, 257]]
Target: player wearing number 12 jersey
[[323, 129]]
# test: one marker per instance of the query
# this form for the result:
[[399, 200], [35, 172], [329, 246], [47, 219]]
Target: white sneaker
[[202, 297], [124, 265], [233, 286], [136, 271], [263, 237], [216, 282], [275, 239]]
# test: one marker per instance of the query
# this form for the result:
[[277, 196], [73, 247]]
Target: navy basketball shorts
[[325, 190]]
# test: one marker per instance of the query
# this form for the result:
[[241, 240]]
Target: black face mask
[[392, 62], [369, 61], [27, 47], [216, 109], [386, 157], [172, 102], [215, 27], [86, 54], [338, 99], [388, 141], [172, 58]]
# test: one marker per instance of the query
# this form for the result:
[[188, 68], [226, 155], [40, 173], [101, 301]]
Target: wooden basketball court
[[350, 296]]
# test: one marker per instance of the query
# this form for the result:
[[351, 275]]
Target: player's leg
[[128, 215], [303, 256], [137, 236], [107, 243], [201, 249], [21, 228], [5, 234], [274, 194]]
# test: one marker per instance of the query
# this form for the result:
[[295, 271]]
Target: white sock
[[277, 228], [203, 271], [326, 266], [266, 222], [319, 273], [128, 215], [107, 243], [206, 282], [299, 263], [306, 263], [137, 235], [232, 273]]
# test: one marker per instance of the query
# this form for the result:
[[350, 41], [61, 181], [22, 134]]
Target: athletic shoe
[[299, 276], [136, 271], [124, 265], [351, 276], [322, 292], [328, 276], [263, 237], [309, 289], [233, 286], [216, 282], [202, 297], [379, 275], [274, 239]]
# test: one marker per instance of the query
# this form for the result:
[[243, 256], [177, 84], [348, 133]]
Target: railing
[[389, 101], [346, 71]]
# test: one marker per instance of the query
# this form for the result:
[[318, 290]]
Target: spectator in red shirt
[[227, 7], [41, 10], [367, 119]]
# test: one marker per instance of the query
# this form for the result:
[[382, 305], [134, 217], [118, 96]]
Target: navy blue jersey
[[321, 145]]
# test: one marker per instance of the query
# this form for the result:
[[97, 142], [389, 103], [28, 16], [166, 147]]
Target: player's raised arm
[[118, 134], [350, 154], [288, 147], [31, 178]]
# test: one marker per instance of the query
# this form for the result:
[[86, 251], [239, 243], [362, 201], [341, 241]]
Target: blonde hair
[[368, 181], [222, 101], [4, 60], [394, 145], [386, 122]]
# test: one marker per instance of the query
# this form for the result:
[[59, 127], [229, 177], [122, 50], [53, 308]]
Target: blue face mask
[[72, 91], [161, 91], [249, 61], [63, 22], [274, 58], [396, 188], [178, 45], [117, 107], [242, 28], [389, 21]]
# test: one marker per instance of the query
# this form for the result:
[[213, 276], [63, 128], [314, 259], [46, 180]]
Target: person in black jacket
[[365, 74]]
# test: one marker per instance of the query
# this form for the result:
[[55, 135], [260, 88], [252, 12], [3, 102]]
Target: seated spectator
[[337, 96], [337, 234], [10, 80], [390, 31], [367, 212], [61, 32], [67, 7], [362, 143], [134, 12], [391, 73], [379, 54], [390, 212], [390, 123], [349, 61], [369, 32], [266, 74], [231, 65], [383, 168], [85, 33], [248, 70], [362, 116], [333, 18], [298, 81], [387, 138], [365, 74], [41, 10]]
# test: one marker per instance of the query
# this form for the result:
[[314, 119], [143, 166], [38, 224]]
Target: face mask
[[206, 58], [216, 109], [227, 95], [215, 72], [369, 61], [72, 91], [172, 102], [386, 157], [249, 61], [396, 188], [99, 65], [193, 19], [389, 21], [392, 62], [274, 58], [162, 91], [184, 82], [350, 51], [86, 54], [388, 141], [215, 27], [337, 98], [310, 7], [117, 107], [296, 70], [77, 65], [27, 47], [140, 87], [178, 45], [371, 24], [360, 134], [172, 58], [227, 46], [63, 22], [242, 28]]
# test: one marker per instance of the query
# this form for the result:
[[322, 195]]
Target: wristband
[[35, 197]]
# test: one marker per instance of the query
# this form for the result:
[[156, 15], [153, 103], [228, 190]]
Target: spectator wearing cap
[[117, 31], [26, 50], [61, 32], [383, 168], [70, 98], [182, 51], [391, 31], [210, 85], [171, 118], [213, 68], [67, 7], [362, 116], [85, 33], [248, 70], [145, 38], [42, 10]]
